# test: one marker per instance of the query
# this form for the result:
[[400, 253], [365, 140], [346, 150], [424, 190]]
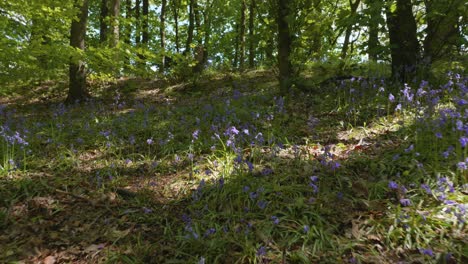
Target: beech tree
[[77, 70]]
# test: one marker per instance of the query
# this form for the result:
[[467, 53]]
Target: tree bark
[[242, 35], [77, 72], [145, 35], [128, 26], [162, 33], [349, 28], [373, 41], [251, 34], [284, 46], [236, 47], [191, 26], [404, 44], [138, 22], [103, 27], [114, 25]]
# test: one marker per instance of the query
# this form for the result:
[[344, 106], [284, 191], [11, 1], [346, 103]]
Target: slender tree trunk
[[103, 27], [191, 26], [284, 46], [114, 15], [404, 44], [198, 29], [236, 48], [163, 35], [145, 35], [128, 26], [128, 30], [207, 37], [175, 10], [242, 35], [349, 28], [251, 34], [138, 22], [77, 88]]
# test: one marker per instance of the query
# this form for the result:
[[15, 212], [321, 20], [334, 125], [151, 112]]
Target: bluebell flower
[[405, 202], [261, 251], [262, 204], [426, 188], [427, 252], [463, 141], [306, 228], [195, 134], [392, 185], [391, 98], [314, 178], [253, 195], [314, 187], [410, 148], [275, 219], [461, 165]]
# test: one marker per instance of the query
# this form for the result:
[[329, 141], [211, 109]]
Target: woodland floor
[[89, 204]]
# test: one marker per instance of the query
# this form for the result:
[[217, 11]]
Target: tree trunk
[[251, 34], [128, 26], [236, 47], [103, 27], [284, 46], [163, 35], [114, 25], [207, 37], [242, 35], [198, 36], [373, 42], [145, 35], [404, 44], [128, 31], [138, 22], [175, 10], [442, 31], [191, 26], [77, 88], [349, 28]]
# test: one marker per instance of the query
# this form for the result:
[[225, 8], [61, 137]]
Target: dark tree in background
[[103, 25], [191, 26], [77, 88], [404, 45], [251, 34], [284, 46]]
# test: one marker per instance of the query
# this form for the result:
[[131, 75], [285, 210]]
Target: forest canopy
[[179, 38]]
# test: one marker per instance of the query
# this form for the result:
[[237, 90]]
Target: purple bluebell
[[392, 185], [405, 202]]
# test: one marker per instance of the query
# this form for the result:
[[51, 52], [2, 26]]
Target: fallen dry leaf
[[50, 260]]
